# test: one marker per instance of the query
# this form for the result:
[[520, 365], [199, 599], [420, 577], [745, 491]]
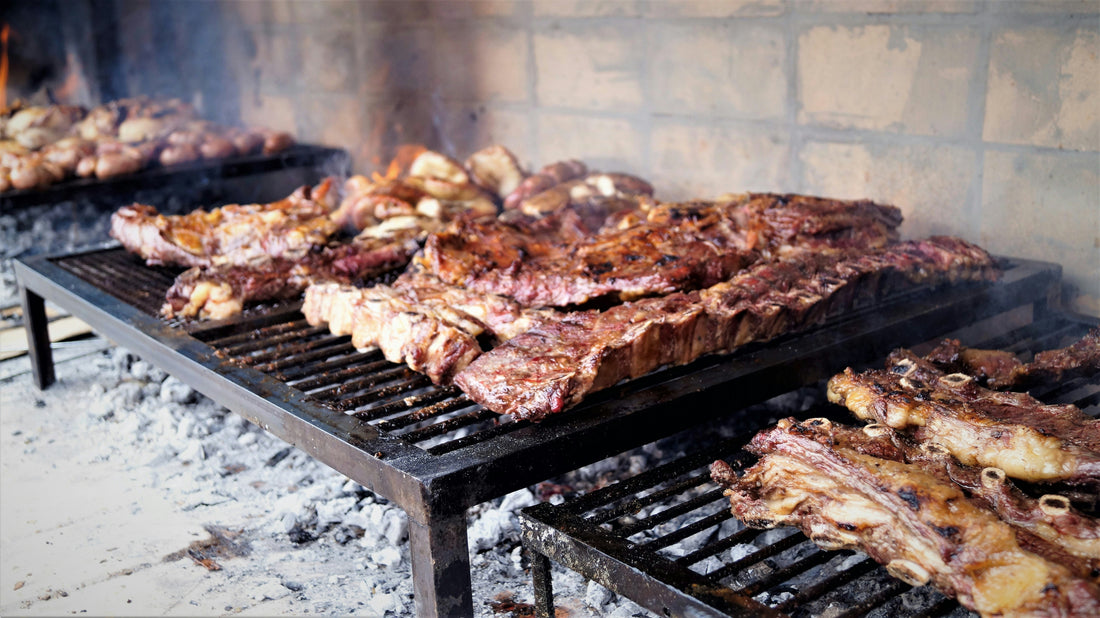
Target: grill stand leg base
[[38, 338], [441, 567], [544, 585]]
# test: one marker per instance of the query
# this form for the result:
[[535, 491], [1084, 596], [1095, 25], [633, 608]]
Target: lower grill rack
[[666, 539]]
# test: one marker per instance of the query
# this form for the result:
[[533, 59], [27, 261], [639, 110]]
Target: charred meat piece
[[234, 234], [1064, 533], [1002, 370], [555, 364], [433, 327], [673, 248], [221, 291], [924, 530], [980, 427]]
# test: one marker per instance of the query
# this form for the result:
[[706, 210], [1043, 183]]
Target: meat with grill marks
[[433, 327], [980, 427], [233, 234], [924, 530], [1002, 370], [670, 248], [1067, 535], [555, 364]]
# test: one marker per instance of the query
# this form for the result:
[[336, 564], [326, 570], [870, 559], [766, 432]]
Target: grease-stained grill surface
[[666, 538]]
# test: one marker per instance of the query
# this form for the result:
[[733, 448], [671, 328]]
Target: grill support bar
[[38, 338]]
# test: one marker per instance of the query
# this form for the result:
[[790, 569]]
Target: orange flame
[[406, 154], [4, 33]]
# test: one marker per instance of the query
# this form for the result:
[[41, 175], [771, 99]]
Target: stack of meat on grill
[[530, 291], [986, 494], [43, 145]]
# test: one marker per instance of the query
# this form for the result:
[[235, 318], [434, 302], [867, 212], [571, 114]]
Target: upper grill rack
[[666, 538], [429, 449]]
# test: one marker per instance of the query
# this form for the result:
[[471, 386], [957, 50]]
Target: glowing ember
[[406, 154], [4, 33]]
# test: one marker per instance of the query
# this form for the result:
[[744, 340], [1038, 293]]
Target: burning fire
[[4, 34], [406, 154], [67, 91]]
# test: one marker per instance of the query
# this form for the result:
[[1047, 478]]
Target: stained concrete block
[[587, 8], [481, 62], [607, 144], [590, 66], [395, 58], [715, 8]]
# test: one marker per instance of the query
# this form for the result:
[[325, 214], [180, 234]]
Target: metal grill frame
[[435, 490], [572, 534]]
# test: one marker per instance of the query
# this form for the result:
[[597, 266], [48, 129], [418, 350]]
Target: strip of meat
[[1002, 370], [920, 527], [555, 364], [676, 247], [980, 427], [233, 234], [1075, 537], [419, 320], [222, 291]]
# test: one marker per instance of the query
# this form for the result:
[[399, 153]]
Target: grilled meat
[[672, 247], [923, 529], [980, 427], [555, 364], [1002, 370], [434, 327], [234, 234]]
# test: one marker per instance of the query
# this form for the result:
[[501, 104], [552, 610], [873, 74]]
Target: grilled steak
[[419, 320], [1002, 370], [221, 291], [673, 247], [980, 427], [233, 234], [555, 364], [923, 529]]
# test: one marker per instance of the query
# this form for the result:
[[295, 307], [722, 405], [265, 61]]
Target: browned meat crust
[[555, 364], [923, 529], [1011, 431], [1002, 370], [670, 248], [234, 234]]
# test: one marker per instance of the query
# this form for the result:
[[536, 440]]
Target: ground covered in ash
[[125, 492]]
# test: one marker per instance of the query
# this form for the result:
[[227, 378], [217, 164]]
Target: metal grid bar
[[608, 518]]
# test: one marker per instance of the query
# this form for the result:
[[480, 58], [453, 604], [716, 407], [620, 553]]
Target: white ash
[[295, 512]]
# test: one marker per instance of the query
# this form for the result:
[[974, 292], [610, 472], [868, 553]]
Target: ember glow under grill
[[666, 538], [429, 449]]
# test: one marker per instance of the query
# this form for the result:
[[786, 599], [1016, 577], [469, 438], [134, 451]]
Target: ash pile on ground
[[315, 541]]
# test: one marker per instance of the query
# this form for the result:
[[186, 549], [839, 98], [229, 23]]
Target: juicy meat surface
[[433, 327], [1002, 370], [980, 427], [924, 530], [673, 247], [233, 234], [555, 364]]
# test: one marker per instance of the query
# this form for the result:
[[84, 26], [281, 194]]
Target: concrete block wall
[[979, 118]]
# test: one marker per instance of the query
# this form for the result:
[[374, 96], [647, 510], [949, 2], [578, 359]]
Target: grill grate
[[429, 449], [671, 528]]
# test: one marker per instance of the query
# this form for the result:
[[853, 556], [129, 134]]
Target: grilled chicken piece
[[234, 234], [496, 170], [555, 364], [1002, 370], [921, 528], [980, 427], [547, 177]]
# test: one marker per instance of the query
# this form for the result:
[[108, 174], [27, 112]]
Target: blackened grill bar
[[417, 458]]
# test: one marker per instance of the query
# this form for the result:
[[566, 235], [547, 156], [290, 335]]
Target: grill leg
[[544, 585], [441, 567], [38, 338]]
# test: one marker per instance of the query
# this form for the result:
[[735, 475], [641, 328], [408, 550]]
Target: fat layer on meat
[[922, 529], [980, 427]]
